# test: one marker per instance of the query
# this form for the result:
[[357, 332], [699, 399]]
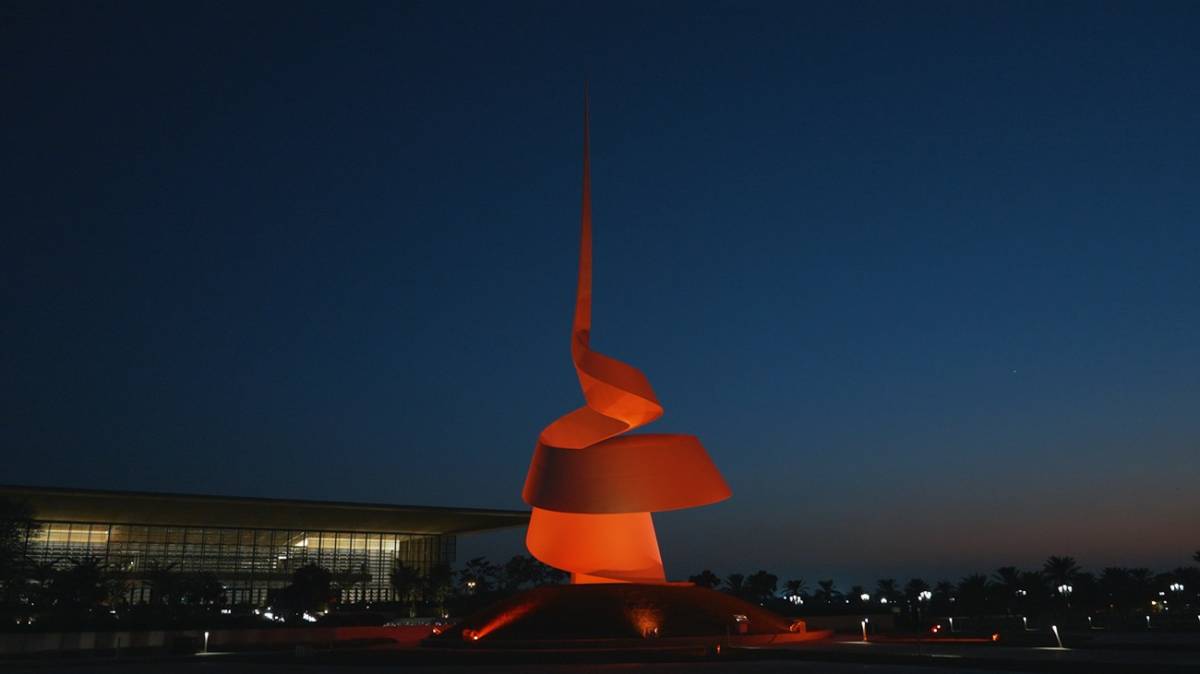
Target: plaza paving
[[762, 667], [834, 657]]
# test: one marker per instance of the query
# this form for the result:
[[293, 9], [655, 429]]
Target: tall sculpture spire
[[591, 487], [583, 293]]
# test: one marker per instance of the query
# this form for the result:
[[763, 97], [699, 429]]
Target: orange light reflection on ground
[[503, 619]]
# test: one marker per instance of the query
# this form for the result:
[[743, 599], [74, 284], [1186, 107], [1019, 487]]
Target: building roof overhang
[[199, 510]]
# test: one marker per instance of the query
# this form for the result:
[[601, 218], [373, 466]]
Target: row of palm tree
[[759, 586], [476, 583], [1060, 585], [87, 583]]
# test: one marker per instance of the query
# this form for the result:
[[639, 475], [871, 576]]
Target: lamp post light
[[1065, 590], [865, 597], [923, 599], [1176, 589]]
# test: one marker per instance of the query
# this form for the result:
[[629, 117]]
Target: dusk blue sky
[[923, 277]]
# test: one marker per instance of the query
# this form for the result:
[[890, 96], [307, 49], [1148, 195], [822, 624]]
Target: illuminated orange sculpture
[[592, 489]]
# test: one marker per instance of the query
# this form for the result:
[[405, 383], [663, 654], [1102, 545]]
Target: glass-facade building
[[251, 545], [248, 562]]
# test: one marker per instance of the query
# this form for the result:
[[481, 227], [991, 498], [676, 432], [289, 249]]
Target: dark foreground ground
[[835, 657], [616, 668]]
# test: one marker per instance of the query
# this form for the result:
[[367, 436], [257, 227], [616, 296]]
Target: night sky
[[923, 277]]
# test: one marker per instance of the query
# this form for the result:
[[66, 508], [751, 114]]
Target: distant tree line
[[69, 592], [1062, 590]]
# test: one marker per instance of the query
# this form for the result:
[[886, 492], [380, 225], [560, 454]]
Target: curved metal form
[[591, 487]]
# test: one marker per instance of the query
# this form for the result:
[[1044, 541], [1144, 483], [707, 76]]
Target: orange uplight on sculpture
[[592, 489]]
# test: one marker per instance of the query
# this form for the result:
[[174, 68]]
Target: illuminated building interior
[[251, 545]]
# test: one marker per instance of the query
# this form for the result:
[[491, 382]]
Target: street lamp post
[[1065, 590], [1176, 589]]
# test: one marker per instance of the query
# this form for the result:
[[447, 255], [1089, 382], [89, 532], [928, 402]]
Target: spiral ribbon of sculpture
[[592, 487]]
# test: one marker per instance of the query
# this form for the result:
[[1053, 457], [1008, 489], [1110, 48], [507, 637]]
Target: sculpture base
[[621, 615]]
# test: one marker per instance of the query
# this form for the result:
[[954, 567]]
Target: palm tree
[[885, 588], [828, 592], [762, 585], [39, 577], [1007, 581], [945, 594], [705, 578], [735, 583], [913, 589], [438, 584], [972, 590], [118, 584], [201, 588], [1117, 588], [856, 593], [82, 586], [407, 582], [1189, 576], [1034, 583], [16, 526], [1196, 556], [165, 582], [1141, 584], [349, 578], [311, 588], [795, 588], [1061, 570]]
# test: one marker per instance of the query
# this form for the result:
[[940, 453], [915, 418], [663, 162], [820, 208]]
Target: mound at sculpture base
[[625, 612]]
